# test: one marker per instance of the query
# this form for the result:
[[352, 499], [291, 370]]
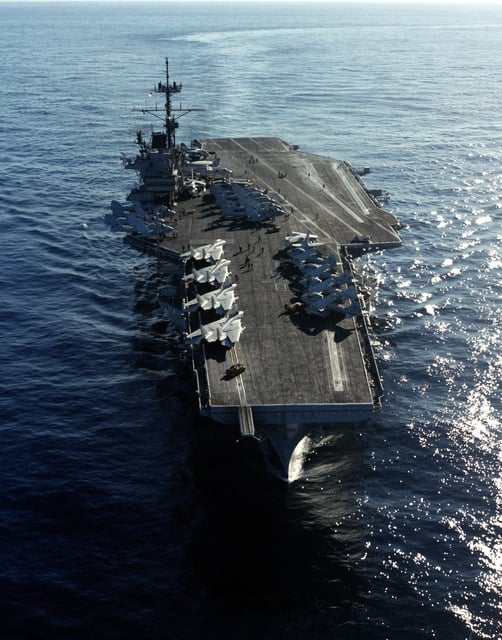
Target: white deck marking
[[238, 379], [357, 198], [336, 370], [245, 412], [315, 179], [327, 210]]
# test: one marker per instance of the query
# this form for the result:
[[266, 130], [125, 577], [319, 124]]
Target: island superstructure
[[260, 238]]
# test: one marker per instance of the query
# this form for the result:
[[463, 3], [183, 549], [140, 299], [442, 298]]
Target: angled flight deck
[[324, 196]]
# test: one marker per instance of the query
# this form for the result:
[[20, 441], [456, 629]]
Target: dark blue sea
[[123, 514]]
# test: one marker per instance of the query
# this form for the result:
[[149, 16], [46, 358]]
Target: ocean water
[[123, 514]]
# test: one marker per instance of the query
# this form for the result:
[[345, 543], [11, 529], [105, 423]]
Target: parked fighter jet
[[151, 229], [322, 285], [301, 255], [227, 331], [320, 269], [320, 304], [221, 300], [353, 310], [212, 251], [350, 293], [134, 218], [206, 168], [343, 278], [214, 273], [302, 239]]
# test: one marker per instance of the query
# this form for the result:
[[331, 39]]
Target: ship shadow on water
[[266, 555]]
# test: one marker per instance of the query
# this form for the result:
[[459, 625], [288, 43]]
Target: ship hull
[[314, 414]]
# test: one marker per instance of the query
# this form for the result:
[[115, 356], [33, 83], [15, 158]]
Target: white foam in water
[[297, 459]]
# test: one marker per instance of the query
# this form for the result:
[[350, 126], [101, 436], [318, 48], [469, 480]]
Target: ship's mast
[[170, 122]]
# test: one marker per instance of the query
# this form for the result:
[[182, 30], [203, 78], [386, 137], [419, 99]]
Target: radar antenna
[[170, 121]]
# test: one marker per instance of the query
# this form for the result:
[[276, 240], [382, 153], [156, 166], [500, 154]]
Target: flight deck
[[299, 368]]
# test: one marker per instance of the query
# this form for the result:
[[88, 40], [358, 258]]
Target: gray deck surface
[[290, 359]]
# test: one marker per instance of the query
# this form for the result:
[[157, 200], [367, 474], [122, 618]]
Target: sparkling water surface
[[124, 515]]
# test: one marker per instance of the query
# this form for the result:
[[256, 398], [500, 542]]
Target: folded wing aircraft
[[350, 293], [318, 284], [318, 267], [302, 239], [299, 255], [227, 330], [320, 301], [353, 310], [212, 251], [221, 300], [214, 273]]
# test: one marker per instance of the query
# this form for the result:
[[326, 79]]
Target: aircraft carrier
[[260, 239]]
